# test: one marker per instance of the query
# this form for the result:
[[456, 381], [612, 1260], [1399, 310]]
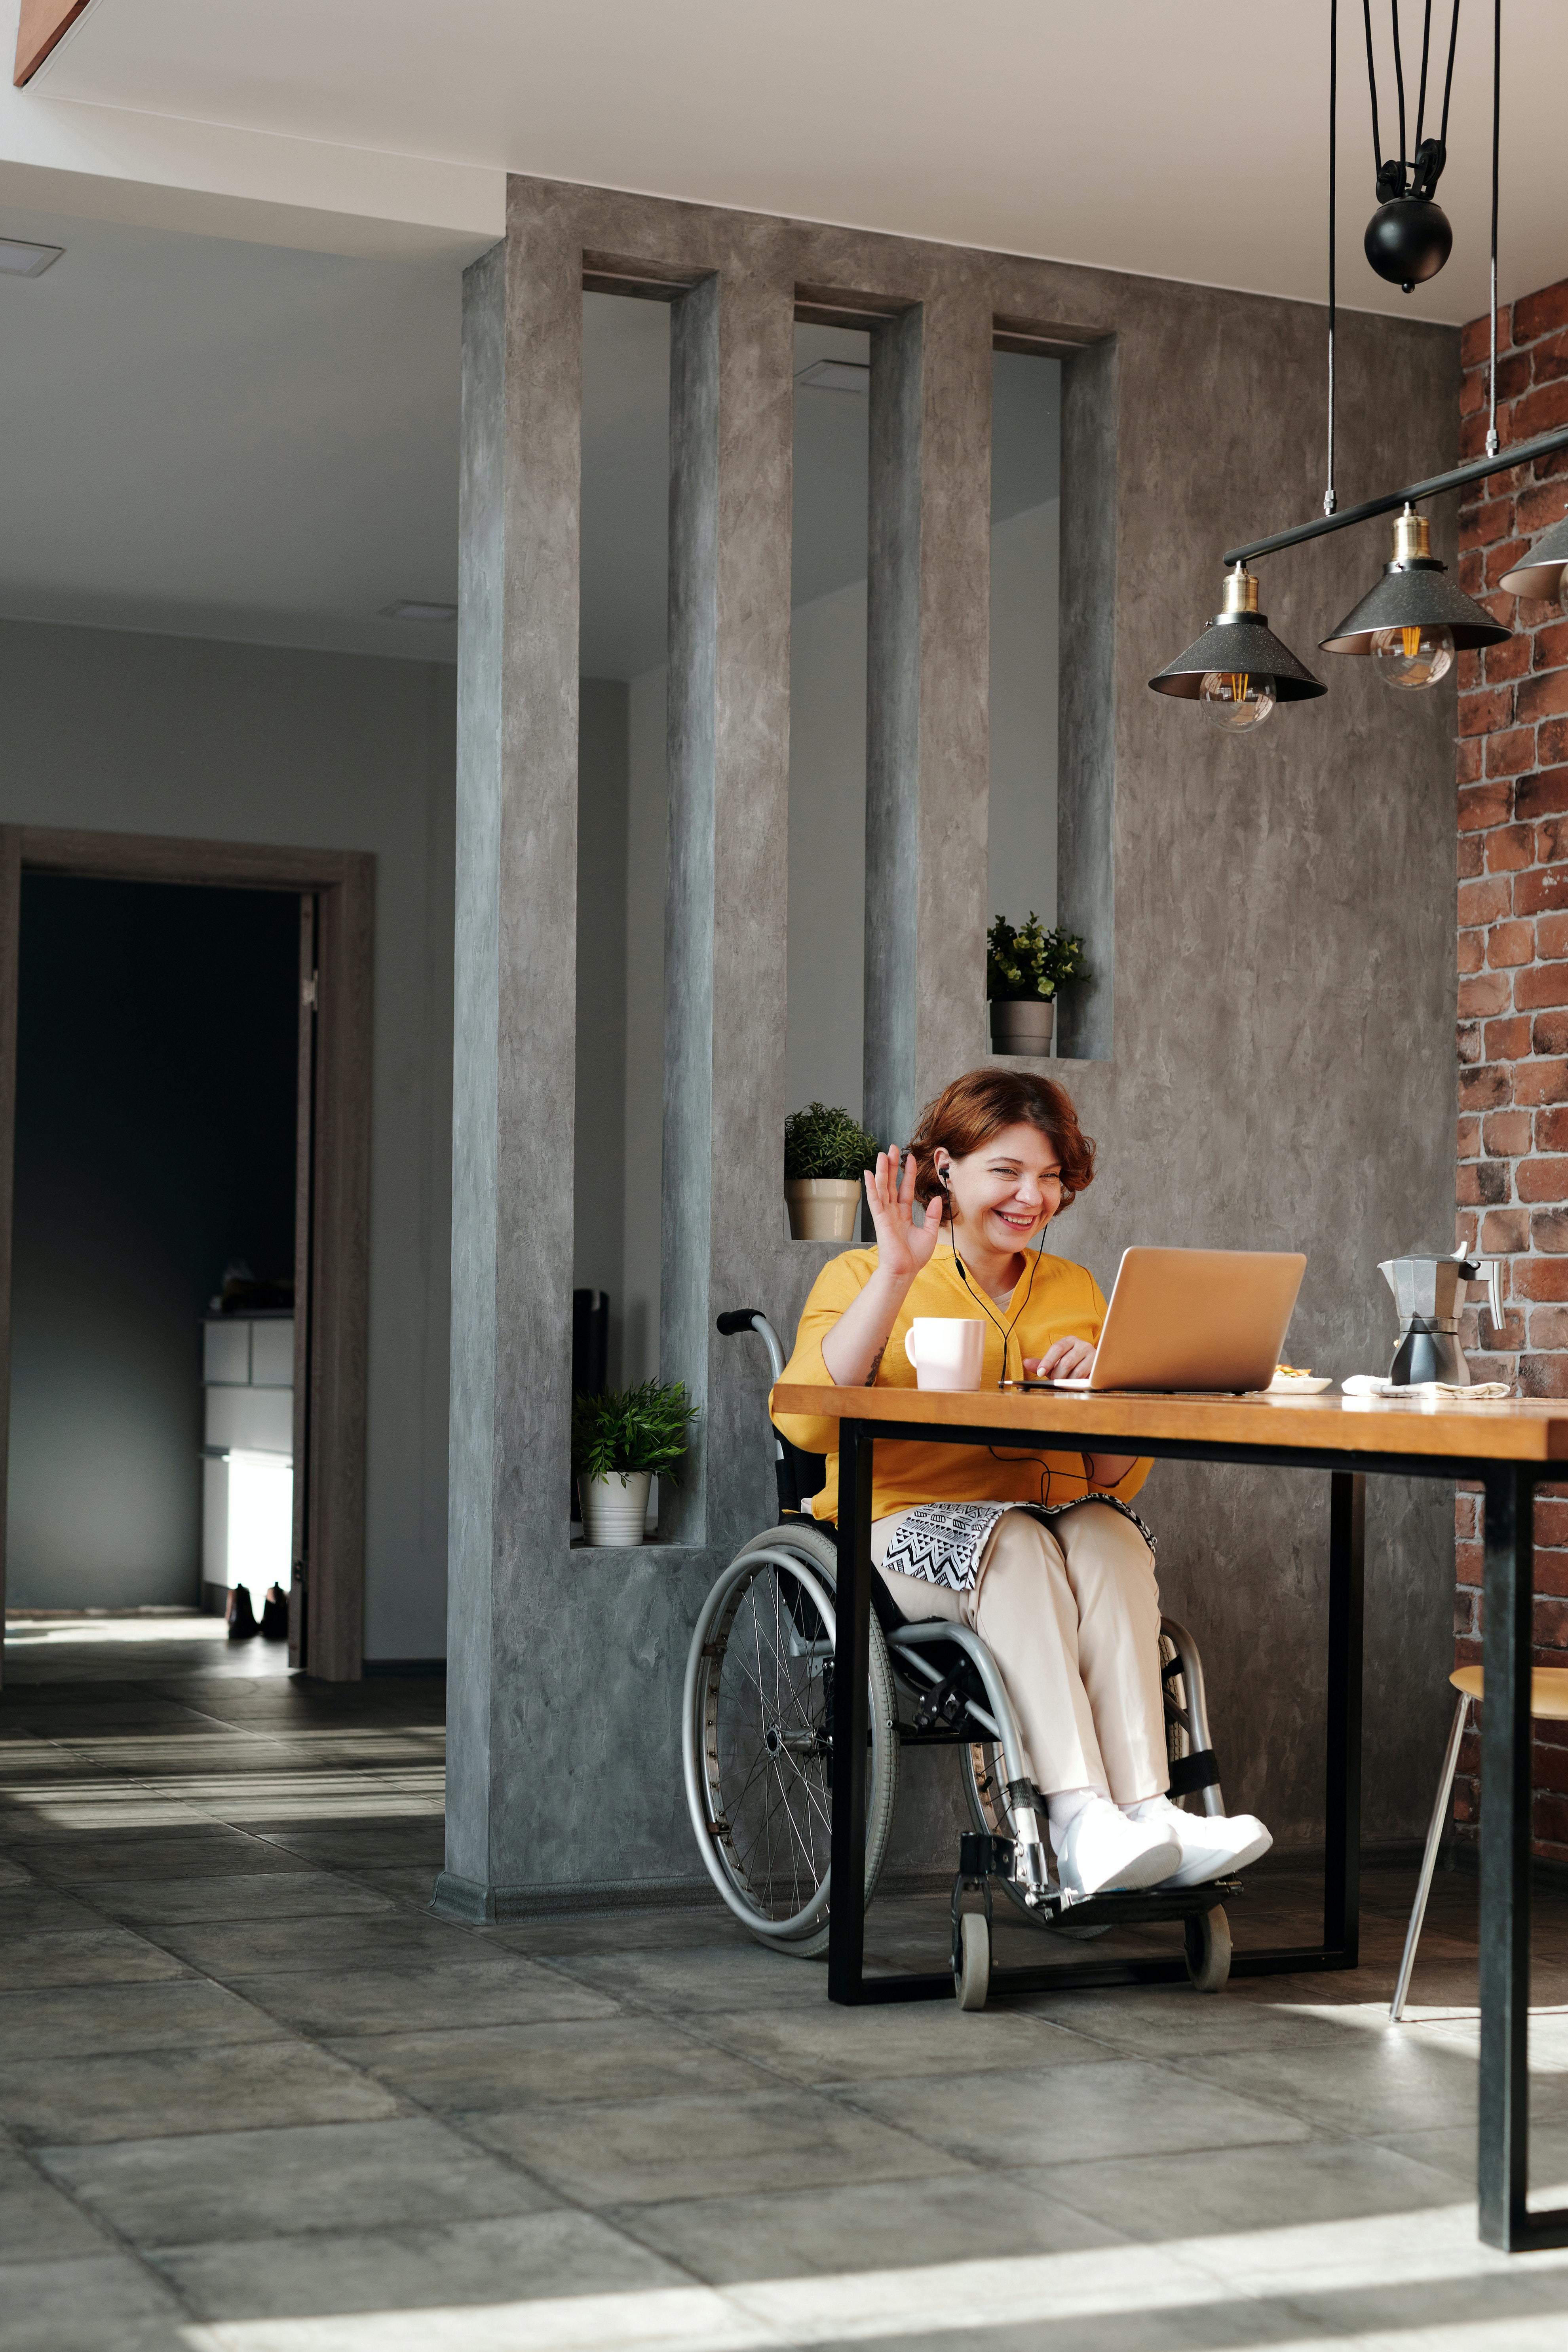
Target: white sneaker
[[1101, 1848], [1211, 1845]]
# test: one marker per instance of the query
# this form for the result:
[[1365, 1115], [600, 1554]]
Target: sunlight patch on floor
[[196, 1627], [1422, 2251]]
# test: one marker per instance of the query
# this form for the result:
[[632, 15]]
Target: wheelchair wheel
[[756, 1737], [971, 1960], [986, 1787], [1208, 1950]]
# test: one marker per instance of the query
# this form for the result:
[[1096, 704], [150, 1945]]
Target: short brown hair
[[966, 1114]]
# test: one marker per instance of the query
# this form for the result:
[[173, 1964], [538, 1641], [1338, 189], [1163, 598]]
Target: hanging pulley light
[[1238, 670], [1541, 573], [1415, 619], [1408, 238]]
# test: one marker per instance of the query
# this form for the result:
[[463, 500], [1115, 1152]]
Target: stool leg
[[1430, 1859]]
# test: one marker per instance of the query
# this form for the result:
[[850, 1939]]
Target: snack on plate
[[1293, 1373]]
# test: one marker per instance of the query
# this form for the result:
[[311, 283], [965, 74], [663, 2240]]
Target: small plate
[[1277, 1387]]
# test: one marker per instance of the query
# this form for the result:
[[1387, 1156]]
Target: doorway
[[168, 1074]]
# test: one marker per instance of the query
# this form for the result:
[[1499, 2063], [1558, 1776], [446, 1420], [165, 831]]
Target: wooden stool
[[1548, 1698]]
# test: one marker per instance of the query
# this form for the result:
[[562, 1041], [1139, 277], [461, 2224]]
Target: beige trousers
[[1071, 1613]]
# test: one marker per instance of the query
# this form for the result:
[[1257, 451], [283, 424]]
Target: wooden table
[[1509, 1448]]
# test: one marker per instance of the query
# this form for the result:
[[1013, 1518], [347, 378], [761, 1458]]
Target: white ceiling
[[221, 435], [1175, 138]]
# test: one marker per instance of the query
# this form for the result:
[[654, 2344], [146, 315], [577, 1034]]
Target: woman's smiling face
[[1007, 1192]]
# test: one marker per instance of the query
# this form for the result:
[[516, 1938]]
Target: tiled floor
[[252, 2096]]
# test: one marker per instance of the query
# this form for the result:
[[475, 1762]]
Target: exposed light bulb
[[1233, 699], [1411, 658]]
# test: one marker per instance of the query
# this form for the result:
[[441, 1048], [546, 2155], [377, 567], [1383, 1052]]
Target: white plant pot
[[1023, 1027], [614, 1509], [822, 1208]]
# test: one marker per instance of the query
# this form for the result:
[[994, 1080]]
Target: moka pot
[[1426, 1293]]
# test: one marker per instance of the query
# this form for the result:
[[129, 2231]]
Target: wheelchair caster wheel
[[1208, 1950], [971, 1961]]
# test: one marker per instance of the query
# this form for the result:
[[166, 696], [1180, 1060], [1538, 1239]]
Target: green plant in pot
[[825, 1153], [1025, 966], [622, 1441]]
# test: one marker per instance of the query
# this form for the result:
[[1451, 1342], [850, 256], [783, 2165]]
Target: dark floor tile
[[105, 2302], [148, 2094], [390, 1938], [260, 1894], [434, 1998], [511, 2261], [38, 2221], [85, 2020], [290, 2180], [83, 1957], [487, 2068], [1057, 2114]]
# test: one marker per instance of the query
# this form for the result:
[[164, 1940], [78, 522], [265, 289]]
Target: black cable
[[1399, 81], [1421, 100], [1371, 85], [1449, 79], [1007, 1332], [1497, 121], [1329, 498]]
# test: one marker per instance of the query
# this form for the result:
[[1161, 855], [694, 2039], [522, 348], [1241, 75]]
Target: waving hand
[[903, 1248]]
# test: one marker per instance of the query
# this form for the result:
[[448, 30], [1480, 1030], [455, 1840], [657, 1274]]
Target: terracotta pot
[[1023, 1027], [614, 1509], [822, 1208]]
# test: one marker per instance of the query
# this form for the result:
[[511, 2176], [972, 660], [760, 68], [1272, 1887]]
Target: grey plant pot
[[1023, 1027]]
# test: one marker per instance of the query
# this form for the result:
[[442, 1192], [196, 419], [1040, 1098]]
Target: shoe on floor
[[1212, 1845], [274, 1615], [1100, 1849], [242, 1624]]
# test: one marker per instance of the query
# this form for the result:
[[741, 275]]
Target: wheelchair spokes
[[768, 1744], [757, 1738]]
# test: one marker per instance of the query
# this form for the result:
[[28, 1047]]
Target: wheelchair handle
[[737, 1318]]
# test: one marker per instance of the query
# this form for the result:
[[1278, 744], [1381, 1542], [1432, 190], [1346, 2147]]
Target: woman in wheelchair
[[1040, 1554]]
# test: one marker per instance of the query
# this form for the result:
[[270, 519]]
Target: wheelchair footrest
[[982, 1858]]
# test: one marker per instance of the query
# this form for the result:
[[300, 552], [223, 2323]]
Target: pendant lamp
[[1415, 620], [1238, 670], [1541, 573]]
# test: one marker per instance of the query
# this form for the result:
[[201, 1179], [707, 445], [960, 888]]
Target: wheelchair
[[757, 1750]]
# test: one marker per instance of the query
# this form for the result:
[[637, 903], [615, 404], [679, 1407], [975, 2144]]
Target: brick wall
[[1513, 973]]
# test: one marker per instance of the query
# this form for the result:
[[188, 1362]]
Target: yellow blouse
[[1064, 1302]]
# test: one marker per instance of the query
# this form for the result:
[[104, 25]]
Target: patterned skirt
[[943, 1543]]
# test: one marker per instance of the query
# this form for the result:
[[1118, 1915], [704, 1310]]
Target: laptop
[[1193, 1319]]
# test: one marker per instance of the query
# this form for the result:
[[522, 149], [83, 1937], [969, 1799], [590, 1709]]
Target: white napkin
[[1479, 1391]]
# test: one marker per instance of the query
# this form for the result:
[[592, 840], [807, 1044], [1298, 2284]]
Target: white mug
[[948, 1352]]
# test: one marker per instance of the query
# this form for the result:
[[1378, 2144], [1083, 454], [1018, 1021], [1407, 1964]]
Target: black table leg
[[1341, 1859], [1508, 1643], [852, 1643]]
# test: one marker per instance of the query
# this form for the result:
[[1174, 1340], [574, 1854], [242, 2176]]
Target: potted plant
[[619, 1442], [1024, 969], [825, 1153]]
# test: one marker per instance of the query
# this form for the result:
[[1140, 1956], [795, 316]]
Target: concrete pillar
[[513, 1079], [726, 929], [927, 772]]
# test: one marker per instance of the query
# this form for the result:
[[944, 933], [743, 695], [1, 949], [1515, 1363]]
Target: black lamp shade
[[1240, 641], [1415, 596], [1540, 573]]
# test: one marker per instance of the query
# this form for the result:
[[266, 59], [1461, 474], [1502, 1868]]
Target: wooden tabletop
[[1506, 1429]]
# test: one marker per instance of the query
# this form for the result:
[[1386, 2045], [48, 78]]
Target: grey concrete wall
[[1280, 1061], [112, 731]]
